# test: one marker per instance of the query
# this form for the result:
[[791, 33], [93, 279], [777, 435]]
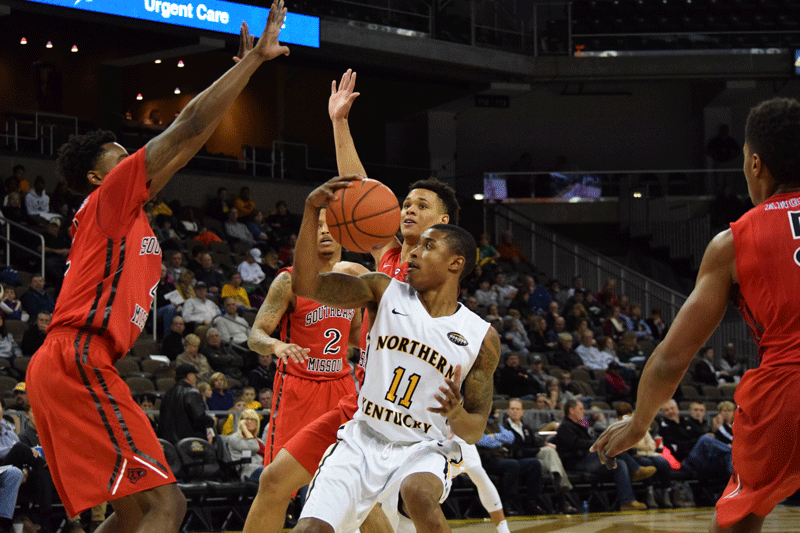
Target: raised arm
[[170, 151], [468, 419], [696, 321], [334, 289], [279, 298], [339, 104]]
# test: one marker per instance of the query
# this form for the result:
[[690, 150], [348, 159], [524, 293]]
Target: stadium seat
[[21, 364], [689, 392], [17, 329], [139, 384], [156, 368], [727, 390], [7, 384], [712, 393], [126, 366], [580, 374], [164, 384]]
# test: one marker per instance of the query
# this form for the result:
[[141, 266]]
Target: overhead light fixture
[[177, 90], [23, 41], [49, 45], [74, 48], [158, 61], [180, 64], [139, 96], [637, 194], [478, 197]]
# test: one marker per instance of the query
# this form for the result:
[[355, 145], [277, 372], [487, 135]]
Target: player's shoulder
[[282, 284]]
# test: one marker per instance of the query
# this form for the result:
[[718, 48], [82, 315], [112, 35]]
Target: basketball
[[363, 216]]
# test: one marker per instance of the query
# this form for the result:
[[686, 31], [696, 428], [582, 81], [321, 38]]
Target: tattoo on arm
[[269, 315], [479, 383], [347, 292]]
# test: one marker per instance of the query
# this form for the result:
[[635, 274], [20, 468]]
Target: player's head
[[326, 246], [85, 160], [772, 147], [444, 251], [428, 202]]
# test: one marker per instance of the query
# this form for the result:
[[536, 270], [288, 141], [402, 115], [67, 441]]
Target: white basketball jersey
[[410, 353]]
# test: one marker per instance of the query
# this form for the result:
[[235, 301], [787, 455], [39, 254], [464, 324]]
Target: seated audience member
[[704, 371], [14, 211], [165, 308], [37, 202], [730, 365], [259, 228], [573, 442], [559, 326], [516, 381], [538, 334], [205, 237], [235, 230], [540, 299], [658, 328], [10, 481], [265, 398], [724, 422], [8, 346], [471, 303], [606, 345], [200, 310], [615, 325], [252, 274], [20, 401], [56, 250], [192, 356], [556, 396], [580, 326], [20, 180], [577, 315], [281, 221], [617, 388], [249, 397], [10, 307], [486, 295], [515, 336], [647, 454], [244, 204], [167, 237], [210, 275], [629, 351], [528, 443], [218, 207], [36, 299], [263, 375], [286, 251], [597, 311], [692, 443], [183, 411], [495, 449], [592, 358], [537, 372], [221, 398], [218, 357], [473, 281], [187, 225], [175, 266], [147, 401], [487, 254], [245, 439], [607, 292], [521, 302], [34, 336], [575, 297], [14, 452], [636, 323], [511, 257], [239, 405], [505, 290], [194, 263], [185, 285], [553, 312], [172, 345], [231, 326], [564, 356], [234, 289]]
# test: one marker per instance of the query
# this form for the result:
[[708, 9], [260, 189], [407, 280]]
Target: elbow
[[473, 437], [302, 289]]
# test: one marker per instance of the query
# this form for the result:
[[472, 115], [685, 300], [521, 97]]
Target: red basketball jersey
[[115, 260], [767, 244], [325, 330], [391, 266]]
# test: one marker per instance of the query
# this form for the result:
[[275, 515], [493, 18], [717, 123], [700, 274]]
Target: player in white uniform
[[421, 343]]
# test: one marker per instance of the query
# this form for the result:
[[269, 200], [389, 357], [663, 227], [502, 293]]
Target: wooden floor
[[782, 520]]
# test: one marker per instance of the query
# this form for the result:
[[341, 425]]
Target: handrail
[[9, 242]]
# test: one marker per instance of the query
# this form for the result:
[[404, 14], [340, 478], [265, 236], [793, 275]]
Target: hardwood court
[[783, 519]]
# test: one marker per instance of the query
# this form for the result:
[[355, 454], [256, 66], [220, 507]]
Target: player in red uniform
[[761, 255], [99, 444], [428, 203]]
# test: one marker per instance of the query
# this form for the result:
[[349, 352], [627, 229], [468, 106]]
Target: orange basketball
[[363, 216]]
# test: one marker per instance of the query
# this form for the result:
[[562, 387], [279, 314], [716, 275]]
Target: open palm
[[341, 99]]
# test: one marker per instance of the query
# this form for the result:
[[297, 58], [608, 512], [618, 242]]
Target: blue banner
[[214, 15]]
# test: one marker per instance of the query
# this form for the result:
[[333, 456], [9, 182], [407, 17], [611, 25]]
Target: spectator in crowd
[[635, 323], [286, 253], [234, 289], [559, 327], [167, 237], [658, 328], [472, 282], [14, 452], [210, 275], [647, 454], [565, 357], [172, 345], [511, 256], [724, 422], [471, 303], [235, 230], [184, 285], [704, 370], [232, 327], [245, 206], [21, 180], [218, 357], [514, 336], [552, 313], [165, 308], [538, 334], [194, 262], [10, 482], [487, 254], [555, 396], [265, 398], [249, 397], [34, 336], [578, 297], [245, 438], [259, 227], [691, 442], [263, 375], [270, 266], [577, 315], [10, 307], [722, 148], [537, 373], [607, 292], [191, 356], [505, 290], [205, 390], [597, 312], [591, 356], [629, 351], [516, 381], [239, 405], [37, 203], [615, 325], [617, 388], [20, 401], [183, 411], [221, 398], [147, 401], [8, 346], [218, 207], [187, 225], [730, 365], [36, 299], [486, 295], [251, 272], [200, 311], [559, 296], [540, 298], [56, 250], [577, 285], [205, 237], [175, 266], [573, 442], [495, 448], [281, 221]]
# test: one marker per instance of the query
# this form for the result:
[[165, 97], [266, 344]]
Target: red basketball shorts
[[297, 402], [98, 443], [766, 444], [309, 444]]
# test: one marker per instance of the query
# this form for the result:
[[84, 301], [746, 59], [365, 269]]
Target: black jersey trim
[[275, 417], [114, 284]]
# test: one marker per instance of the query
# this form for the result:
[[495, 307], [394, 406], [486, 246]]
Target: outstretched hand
[[342, 99], [245, 42], [292, 352], [268, 46], [450, 400], [619, 436], [326, 192]]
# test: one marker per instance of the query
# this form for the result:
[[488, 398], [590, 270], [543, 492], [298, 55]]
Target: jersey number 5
[[413, 380]]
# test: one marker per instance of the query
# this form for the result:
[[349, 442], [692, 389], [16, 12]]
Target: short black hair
[[462, 243], [773, 132], [78, 156], [18, 167], [569, 404], [445, 193]]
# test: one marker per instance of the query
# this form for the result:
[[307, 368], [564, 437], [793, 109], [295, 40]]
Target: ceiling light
[[177, 90], [158, 61], [139, 96], [74, 48], [49, 45], [23, 41], [180, 64], [478, 197]]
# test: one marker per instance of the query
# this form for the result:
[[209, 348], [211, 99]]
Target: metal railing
[[7, 238], [40, 124]]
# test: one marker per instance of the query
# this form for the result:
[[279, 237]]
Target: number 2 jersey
[[114, 262], [767, 244], [322, 329], [410, 354]]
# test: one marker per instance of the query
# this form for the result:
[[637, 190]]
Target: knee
[[420, 500], [273, 484], [312, 525], [14, 476]]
